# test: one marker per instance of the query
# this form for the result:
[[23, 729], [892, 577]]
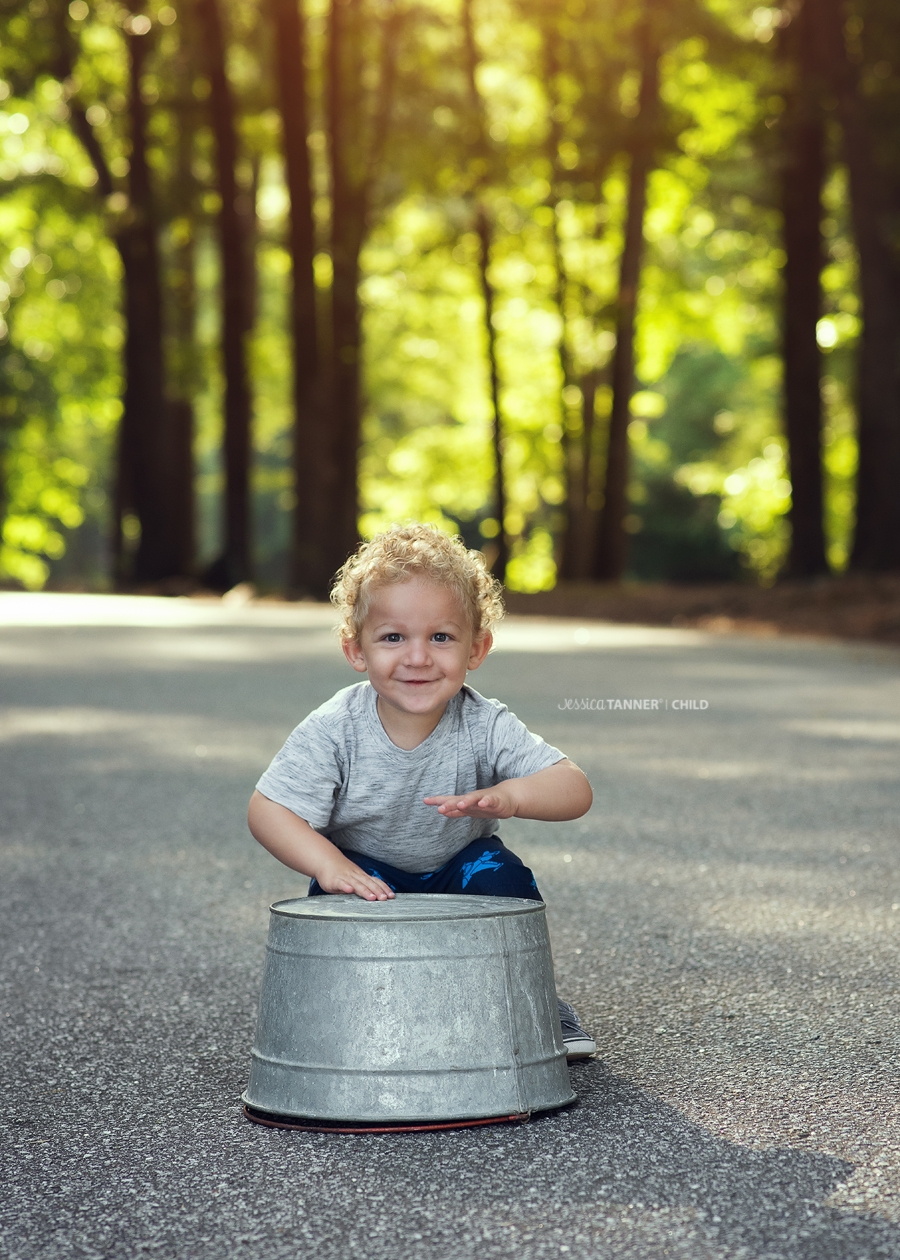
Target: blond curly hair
[[409, 551]]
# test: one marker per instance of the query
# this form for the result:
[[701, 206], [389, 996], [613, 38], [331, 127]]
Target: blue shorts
[[484, 868]]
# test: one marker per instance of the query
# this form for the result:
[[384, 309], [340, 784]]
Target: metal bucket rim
[[310, 1124], [415, 1115], [498, 907]]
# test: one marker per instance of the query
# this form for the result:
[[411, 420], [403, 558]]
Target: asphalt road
[[725, 919]]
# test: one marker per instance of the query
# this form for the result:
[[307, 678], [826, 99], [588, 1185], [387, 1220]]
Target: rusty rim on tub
[[272, 1121]]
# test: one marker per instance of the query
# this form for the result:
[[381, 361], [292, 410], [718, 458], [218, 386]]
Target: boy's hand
[[495, 802], [339, 875], [557, 794], [294, 842]]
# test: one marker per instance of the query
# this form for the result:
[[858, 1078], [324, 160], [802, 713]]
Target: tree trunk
[[309, 572], [803, 173], [877, 541], [357, 134], [484, 232], [181, 323], [234, 565], [588, 385], [181, 431], [347, 231], [142, 476], [612, 539], [146, 445], [574, 560], [249, 225], [483, 228]]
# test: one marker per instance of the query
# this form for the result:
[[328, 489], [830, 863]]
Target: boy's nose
[[417, 652]]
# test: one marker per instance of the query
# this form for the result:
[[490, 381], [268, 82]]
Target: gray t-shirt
[[340, 772]]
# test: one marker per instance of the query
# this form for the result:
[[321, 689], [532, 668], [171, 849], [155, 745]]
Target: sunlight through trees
[[608, 288]]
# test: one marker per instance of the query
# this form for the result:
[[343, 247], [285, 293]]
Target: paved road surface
[[726, 919]]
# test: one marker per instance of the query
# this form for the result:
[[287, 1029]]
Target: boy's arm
[[297, 845], [557, 794]]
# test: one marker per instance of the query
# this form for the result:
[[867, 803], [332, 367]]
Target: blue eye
[[441, 637], [394, 637]]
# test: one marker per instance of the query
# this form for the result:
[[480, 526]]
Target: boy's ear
[[480, 648], [354, 655]]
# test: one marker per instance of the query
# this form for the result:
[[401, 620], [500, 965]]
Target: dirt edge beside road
[[858, 607]]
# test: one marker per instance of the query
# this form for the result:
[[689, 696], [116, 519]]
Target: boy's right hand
[[294, 842], [339, 875]]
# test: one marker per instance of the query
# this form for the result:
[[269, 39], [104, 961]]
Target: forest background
[[607, 286]]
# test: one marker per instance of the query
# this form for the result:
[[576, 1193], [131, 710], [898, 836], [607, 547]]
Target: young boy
[[397, 784]]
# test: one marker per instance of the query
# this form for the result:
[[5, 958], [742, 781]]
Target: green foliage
[[59, 371], [709, 489]]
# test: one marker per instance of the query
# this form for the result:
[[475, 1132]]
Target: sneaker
[[576, 1041]]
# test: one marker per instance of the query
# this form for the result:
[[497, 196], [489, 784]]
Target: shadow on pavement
[[635, 1149]]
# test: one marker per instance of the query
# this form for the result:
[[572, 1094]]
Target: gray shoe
[[576, 1041]]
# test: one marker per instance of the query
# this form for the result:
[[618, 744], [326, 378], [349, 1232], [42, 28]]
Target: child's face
[[416, 645]]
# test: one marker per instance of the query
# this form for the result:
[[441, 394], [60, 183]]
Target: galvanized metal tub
[[427, 1007]]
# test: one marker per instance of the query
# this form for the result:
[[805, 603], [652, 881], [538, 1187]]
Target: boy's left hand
[[497, 802], [556, 794]]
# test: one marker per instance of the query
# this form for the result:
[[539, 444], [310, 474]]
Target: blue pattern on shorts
[[484, 863]]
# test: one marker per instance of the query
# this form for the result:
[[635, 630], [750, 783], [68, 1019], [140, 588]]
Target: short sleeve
[[305, 776], [515, 751]]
